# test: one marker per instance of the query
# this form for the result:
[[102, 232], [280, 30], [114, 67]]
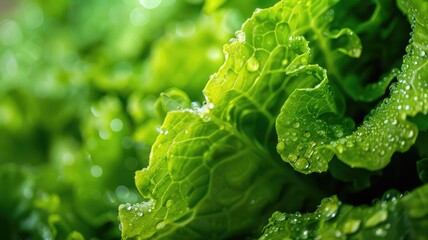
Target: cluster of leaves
[[79, 82], [318, 103], [315, 98]]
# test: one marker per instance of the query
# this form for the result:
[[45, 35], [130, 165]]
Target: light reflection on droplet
[[68, 158], [96, 171], [122, 191], [116, 125]]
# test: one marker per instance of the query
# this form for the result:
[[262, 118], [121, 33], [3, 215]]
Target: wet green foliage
[[293, 124]]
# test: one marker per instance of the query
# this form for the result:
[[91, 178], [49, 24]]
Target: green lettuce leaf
[[213, 170], [394, 217], [387, 129], [211, 164], [384, 131], [379, 26]]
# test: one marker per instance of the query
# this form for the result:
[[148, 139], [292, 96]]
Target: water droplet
[[302, 164], [330, 207], [410, 134], [391, 195], [380, 232], [321, 133], [292, 157], [240, 35], [350, 144], [355, 52], [338, 133], [304, 234], [278, 216], [339, 148], [281, 146], [169, 203], [205, 118], [284, 61], [296, 125], [253, 64], [195, 105], [307, 134]]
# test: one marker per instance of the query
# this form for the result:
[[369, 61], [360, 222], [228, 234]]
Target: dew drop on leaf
[[302, 164], [304, 234], [296, 125], [307, 134], [284, 61], [281, 146], [253, 64], [169, 203], [338, 133], [329, 208], [380, 232], [240, 35], [410, 134]]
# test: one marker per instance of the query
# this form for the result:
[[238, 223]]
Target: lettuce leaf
[[394, 217], [214, 171], [208, 158], [317, 132]]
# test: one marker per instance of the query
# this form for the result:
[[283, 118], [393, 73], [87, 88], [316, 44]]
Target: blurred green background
[[79, 102]]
